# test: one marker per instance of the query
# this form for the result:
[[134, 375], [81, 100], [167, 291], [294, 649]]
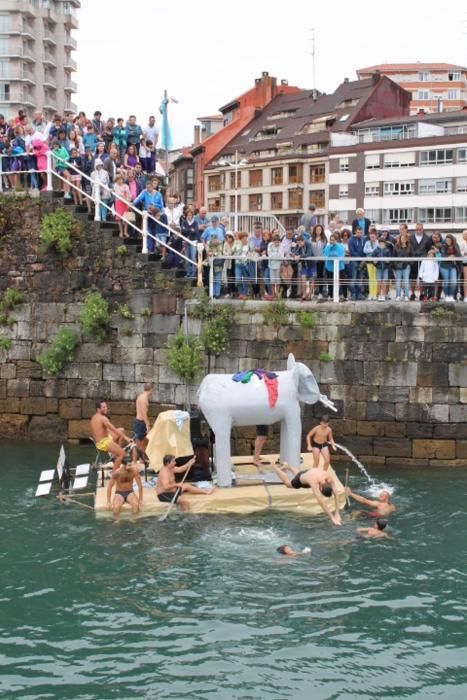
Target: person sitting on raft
[[318, 440], [167, 488], [123, 479], [107, 437], [374, 532], [319, 480], [381, 508]]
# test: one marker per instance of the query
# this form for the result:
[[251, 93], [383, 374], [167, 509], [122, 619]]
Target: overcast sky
[[206, 52]]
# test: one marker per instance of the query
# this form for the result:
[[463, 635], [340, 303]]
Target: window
[[399, 188], [372, 161], [255, 202], [267, 132], [372, 189], [343, 165], [453, 94], [232, 180], [424, 76], [4, 91], [423, 95], [3, 46], [399, 160], [189, 176], [296, 198], [436, 157], [434, 186], [232, 202], [295, 173], [397, 216], [276, 200], [454, 75], [256, 178], [461, 184], [276, 176], [343, 191], [442, 215], [462, 155], [374, 215], [318, 198], [214, 183], [317, 173], [214, 204], [4, 22], [4, 68], [461, 214], [283, 115]]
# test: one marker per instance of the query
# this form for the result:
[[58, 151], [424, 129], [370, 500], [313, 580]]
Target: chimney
[[346, 80], [197, 135], [284, 82], [375, 78]]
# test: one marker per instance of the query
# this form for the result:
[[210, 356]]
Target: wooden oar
[[346, 484], [173, 501]]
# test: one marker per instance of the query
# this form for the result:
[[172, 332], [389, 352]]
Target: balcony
[[48, 38], [71, 21], [49, 59], [69, 64], [50, 82], [70, 86], [70, 43]]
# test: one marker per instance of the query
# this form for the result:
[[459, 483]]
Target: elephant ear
[[290, 362]]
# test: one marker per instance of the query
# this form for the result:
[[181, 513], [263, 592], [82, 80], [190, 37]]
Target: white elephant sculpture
[[226, 403]]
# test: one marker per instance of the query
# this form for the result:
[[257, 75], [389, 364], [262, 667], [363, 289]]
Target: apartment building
[[435, 87], [36, 63], [402, 171], [278, 163]]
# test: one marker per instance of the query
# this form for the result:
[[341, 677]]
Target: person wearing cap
[[215, 229], [101, 186]]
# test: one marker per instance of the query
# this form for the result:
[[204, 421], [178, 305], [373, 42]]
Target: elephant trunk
[[327, 402]]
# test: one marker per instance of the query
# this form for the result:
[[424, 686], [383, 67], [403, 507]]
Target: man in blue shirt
[[215, 229], [134, 132], [202, 220], [356, 244], [362, 221], [149, 197]]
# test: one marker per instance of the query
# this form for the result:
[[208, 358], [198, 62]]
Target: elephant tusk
[[327, 402]]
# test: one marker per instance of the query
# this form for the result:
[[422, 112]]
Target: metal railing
[[95, 196], [350, 279]]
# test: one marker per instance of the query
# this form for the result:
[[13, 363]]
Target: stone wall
[[398, 374]]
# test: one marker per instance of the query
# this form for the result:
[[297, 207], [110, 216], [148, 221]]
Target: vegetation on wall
[[276, 314], [60, 351], [56, 231], [10, 301], [185, 356], [94, 318]]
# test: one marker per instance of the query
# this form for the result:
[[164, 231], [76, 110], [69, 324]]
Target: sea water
[[202, 607]]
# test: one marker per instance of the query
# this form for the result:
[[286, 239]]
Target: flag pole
[[166, 136]]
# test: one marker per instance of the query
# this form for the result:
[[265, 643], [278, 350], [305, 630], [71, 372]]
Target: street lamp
[[236, 164]]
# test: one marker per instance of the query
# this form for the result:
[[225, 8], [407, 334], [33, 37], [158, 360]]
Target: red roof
[[410, 67]]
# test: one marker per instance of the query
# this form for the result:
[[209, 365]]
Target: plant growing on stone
[[276, 314], [325, 356], [146, 311], [60, 352], [216, 332], [5, 343], [56, 230], [11, 300], [125, 312], [307, 319], [121, 250], [94, 318], [185, 356]]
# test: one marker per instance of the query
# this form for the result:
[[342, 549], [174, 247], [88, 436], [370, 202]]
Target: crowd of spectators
[[114, 161]]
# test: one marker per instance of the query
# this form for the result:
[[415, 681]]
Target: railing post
[[211, 278], [335, 279], [1, 173], [199, 248], [49, 185], [97, 203], [145, 233]]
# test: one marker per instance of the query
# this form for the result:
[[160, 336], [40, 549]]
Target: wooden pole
[[172, 502], [346, 485]]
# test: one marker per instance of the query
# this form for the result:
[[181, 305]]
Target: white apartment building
[[402, 171], [36, 63]]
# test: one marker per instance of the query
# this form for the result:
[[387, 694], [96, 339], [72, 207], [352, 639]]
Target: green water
[[201, 607]]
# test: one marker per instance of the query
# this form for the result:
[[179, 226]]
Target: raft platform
[[255, 489]]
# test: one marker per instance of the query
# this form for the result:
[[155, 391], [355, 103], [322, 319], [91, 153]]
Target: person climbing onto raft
[[381, 507], [318, 440], [319, 480]]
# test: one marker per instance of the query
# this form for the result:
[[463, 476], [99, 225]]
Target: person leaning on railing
[[60, 158], [402, 249], [301, 252], [448, 268], [369, 250], [229, 270], [333, 249], [275, 256], [241, 252]]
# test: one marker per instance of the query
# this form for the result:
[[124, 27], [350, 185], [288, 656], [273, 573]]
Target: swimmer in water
[[381, 508], [287, 551], [374, 532]]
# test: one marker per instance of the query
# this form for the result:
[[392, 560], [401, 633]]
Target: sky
[[206, 52]]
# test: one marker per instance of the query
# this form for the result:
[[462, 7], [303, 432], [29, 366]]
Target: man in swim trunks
[[107, 437], [167, 487], [141, 425], [123, 479], [375, 532], [382, 508], [261, 437], [318, 440], [319, 480]]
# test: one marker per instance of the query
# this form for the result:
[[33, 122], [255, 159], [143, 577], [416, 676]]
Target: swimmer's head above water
[[384, 497], [381, 523], [286, 550]]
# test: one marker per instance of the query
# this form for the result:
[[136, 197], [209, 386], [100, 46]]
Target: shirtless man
[[141, 425], [123, 479], [288, 551], [260, 441], [374, 532], [381, 508], [318, 440], [319, 480], [167, 487], [106, 436]]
